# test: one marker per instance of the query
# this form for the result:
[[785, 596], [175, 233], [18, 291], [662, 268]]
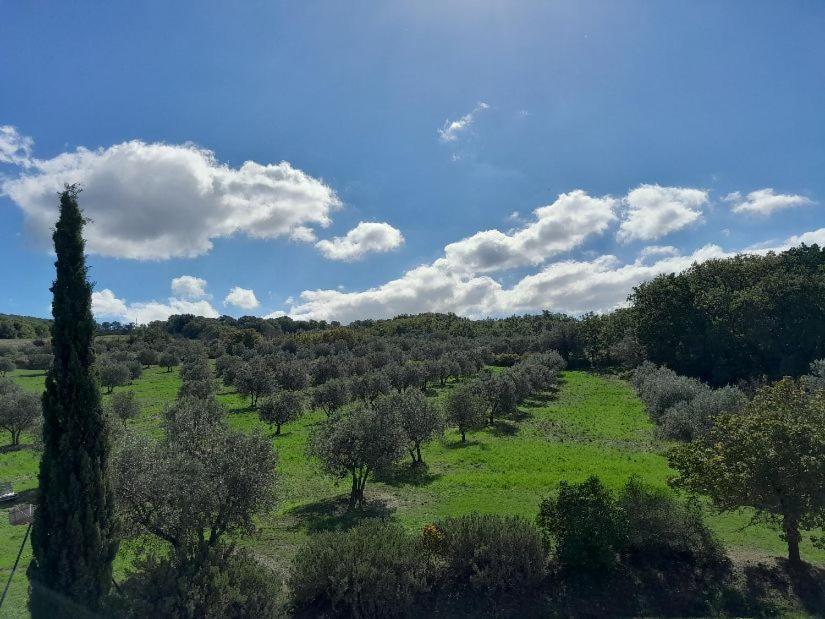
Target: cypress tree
[[73, 537]]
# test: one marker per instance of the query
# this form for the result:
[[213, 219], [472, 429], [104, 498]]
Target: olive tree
[[113, 375], [254, 380], [331, 395], [168, 359], [19, 412], [500, 392], [123, 405], [281, 408], [770, 456], [466, 408], [419, 419], [6, 365], [356, 444], [200, 482]]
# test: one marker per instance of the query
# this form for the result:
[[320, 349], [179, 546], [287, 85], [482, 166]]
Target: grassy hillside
[[592, 425]]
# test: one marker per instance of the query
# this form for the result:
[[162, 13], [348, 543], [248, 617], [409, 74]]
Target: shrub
[[123, 405], [663, 531], [583, 525], [489, 555], [373, 570], [221, 584]]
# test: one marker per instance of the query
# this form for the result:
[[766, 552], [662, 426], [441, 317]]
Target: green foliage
[[112, 374], [123, 405], [357, 443], [73, 538], [737, 318], [583, 525], [419, 419], [202, 481], [281, 408], [221, 583], [488, 555], [466, 408], [770, 457], [19, 411], [14, 327], [372, 570], [6, 366], [331, 395]]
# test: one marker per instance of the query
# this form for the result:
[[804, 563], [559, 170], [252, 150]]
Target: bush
[[223, 584], [488, 555], [123, 405], [682, 407], [583, 525], [662, 531], [372, 570]]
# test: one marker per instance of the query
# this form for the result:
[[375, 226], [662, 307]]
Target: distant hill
[[13, 327]]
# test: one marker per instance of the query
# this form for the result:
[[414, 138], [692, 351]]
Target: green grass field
[[591, 425]]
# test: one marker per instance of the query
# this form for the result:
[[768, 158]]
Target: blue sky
[[673, 132]]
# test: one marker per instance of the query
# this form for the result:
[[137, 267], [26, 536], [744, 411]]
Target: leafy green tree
[[19, 412], [466, 408], [6, 365], [583, 524], [123, 405], [500, 392], [199, 484], [74, 535], [331, 395], [358, 443], [254, 380], [113, 375], [281, 408], [770, 457], [168, 359], [148, 357], [419, 419]]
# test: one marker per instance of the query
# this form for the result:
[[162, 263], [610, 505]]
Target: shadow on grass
[[334, 514], [471, 443], [503, 427], [5, 449], [406, 474], [33, 374], [521, 415]]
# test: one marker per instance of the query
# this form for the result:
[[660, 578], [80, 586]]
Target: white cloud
[[106, 305], [243, 298], [153, 201], [559, 227], [453, 129], [572, 286], [654, 211], [764, 201], [15, 149], [189, 287], [366, 237]]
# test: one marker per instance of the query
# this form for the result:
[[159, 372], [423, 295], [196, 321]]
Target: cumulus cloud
[[366, 237], [153, 201], [106, 305], [764, 201], [15, 149], [571, 286], [453, 129], [558, 227], [243, 298], [189, 287], [654, 211]]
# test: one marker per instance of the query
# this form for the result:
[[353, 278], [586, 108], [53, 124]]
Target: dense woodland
[[727, 358]]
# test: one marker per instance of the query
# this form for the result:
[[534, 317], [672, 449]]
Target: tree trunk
[[277, 429], [412, 455], [463, 436], [790, 525], [418, 452]]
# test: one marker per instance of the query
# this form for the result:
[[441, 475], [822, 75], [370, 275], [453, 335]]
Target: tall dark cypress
[[73, 538]]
